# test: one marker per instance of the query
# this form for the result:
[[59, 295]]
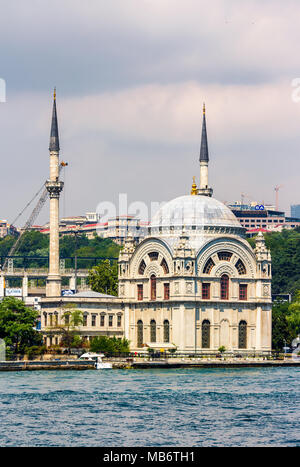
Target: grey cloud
[[131, 77]]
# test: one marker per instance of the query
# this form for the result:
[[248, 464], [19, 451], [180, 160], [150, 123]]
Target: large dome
[[194, 211], [198, 216]]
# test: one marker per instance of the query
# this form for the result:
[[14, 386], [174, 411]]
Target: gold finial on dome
[[54, 94], [194, 190], [203, 108]]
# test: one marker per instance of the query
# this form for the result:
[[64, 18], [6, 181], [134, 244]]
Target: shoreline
[[165, 364]]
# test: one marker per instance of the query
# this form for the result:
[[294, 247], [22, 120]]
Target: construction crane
[[277, 187], [37, 209]]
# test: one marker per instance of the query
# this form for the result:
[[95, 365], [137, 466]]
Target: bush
[[35, 350], [109, 344], [55, 349]]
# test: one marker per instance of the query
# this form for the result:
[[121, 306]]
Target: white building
[[194, 283]]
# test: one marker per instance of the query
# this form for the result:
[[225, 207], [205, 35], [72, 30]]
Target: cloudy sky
[[131, 76]]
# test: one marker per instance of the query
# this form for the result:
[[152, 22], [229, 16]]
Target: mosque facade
[[193, 284]]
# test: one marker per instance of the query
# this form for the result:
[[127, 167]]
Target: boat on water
[[97, 358]]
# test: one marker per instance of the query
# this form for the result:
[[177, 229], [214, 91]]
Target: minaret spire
[[204, 189], [204, 145], [54, 138], [54, 187]]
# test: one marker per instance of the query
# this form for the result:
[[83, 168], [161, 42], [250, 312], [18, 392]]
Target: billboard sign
[[13, 292]]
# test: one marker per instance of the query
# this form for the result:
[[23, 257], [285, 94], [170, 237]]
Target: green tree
[[281, 332], [285, 322], [109, 344], [285, 252], [72, 319], [293, 317], [103, 278], [36, 244], [17, 324]]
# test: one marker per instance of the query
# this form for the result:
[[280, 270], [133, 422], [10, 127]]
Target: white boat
[[97, 358]]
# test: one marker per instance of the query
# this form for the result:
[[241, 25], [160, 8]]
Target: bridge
[[33, 278]]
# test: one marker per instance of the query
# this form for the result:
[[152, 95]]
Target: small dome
[[194, 211]]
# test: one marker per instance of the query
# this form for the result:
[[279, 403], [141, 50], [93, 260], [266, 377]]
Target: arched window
[[205, 334], [208, 266], [224, 287], [240, 267], [164, 265], [140, 336], [140, 292], [153, 256], [166, 331], [242, 335], [224, 255], [153, 287], [153, 330], [142, 267]]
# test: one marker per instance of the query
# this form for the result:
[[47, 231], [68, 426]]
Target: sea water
[[178, 407]]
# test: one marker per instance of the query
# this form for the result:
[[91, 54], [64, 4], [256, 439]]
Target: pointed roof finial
[[194, 190], [204, 145], [54, 138]]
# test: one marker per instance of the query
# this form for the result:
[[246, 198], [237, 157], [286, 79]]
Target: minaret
[[204, 189], [54, 187]]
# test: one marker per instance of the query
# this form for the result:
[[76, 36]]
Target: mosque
[[193, 284]]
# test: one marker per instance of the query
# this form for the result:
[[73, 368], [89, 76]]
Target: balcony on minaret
[[54, 188]]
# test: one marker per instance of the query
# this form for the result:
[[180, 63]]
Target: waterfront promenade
[[144, 363]]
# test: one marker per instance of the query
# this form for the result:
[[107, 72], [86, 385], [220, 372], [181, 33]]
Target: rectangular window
[[243, 292], [140, 291], [119, 323], [167, 291], [206, 291], [84, 320], [93, 320], [102, 320], [110, 321]]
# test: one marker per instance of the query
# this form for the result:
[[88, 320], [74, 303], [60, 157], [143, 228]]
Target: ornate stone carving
[[144, 248], [225, 269], [234, 246], [54, 188], [189, 267]]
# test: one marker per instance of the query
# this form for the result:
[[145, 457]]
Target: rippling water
[[184, 407]]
